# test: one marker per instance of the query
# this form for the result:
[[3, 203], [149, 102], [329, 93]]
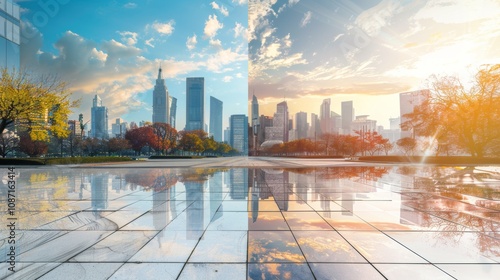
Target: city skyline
[[119, 59], [363, 51]]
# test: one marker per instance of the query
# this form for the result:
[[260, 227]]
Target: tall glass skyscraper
[[216, 118], [195, 104], [172, 104], [238, 133], [10, 35], [99, 119]]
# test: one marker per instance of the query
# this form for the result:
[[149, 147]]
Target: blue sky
[[114, 49], [365, 51]]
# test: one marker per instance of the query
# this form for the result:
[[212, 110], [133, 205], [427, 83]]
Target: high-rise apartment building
[[347, 116], [216, 118], [10, 35], [161, 108], [238, 133], [99, 119], [195, 94]]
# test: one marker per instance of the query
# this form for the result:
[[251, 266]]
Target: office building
[[160, 101], [301, 125], [216, 118], [255, 115], [279, 130], [10, 35], [195, 103], [264, 122], [172, 105], [407, 102], [324, 116], [238, 133], [119, 128], [347, 116], [99, 119]]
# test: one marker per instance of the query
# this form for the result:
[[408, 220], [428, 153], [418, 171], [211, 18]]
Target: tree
[[33, 148], [166, 136], [26, 100], [117, 145], [209, 145], [191, 142], [140, 138], [456, 115], [407, 144], [8, 142]]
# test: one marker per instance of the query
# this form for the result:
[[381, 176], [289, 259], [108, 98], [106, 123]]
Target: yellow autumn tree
[[38, 103]]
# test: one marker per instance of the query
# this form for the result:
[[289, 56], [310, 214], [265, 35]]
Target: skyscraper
[[279, 130], [160, 101], [407, 103], [324, 116], [195, 104], [347, 116], [172, 102], [99, 119], [301, 125], [255, 115], [216, 118], [238, 133], [10, 35]]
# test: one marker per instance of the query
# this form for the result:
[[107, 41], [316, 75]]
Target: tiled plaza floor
[[371, 222]]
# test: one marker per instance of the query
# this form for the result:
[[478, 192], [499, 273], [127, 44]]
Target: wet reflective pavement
[[371, 222]]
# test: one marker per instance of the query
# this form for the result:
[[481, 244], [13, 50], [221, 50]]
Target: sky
[[114, 49], [304, 51]]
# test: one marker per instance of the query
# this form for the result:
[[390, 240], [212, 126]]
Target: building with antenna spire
[[161, 108]]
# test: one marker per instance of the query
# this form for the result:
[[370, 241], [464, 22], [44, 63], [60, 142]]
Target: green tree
[[191, 142], [28, 100]]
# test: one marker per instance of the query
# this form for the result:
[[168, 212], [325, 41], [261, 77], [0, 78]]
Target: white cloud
[[220, 8], [223, 57], [130, 5], [374, 19], [240, 2], [257, 11], [212, 25], [338, 37], [129, 38], [306, 19], [239, 75], [239, 30], [457, 11], [227, 79], [216, 43], [164, 28], [191, 42], [149, 42], [292, 2]]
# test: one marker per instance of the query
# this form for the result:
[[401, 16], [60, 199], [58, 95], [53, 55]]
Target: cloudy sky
[[114, 48], [365, 51]]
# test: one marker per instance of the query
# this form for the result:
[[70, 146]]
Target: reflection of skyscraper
[[239, 183], [195, 94], [277, 181], [99, 119], [99, 191], [195, 211], [159, 210], [160, 101], [216, 118], [10, 35], [216, 198]]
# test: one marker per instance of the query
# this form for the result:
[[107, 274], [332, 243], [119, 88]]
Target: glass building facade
[[10, 35], [238, 130], [195, 103]]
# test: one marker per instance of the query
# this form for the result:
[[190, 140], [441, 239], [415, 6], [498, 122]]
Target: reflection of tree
[[366, 172], [156, 179]]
